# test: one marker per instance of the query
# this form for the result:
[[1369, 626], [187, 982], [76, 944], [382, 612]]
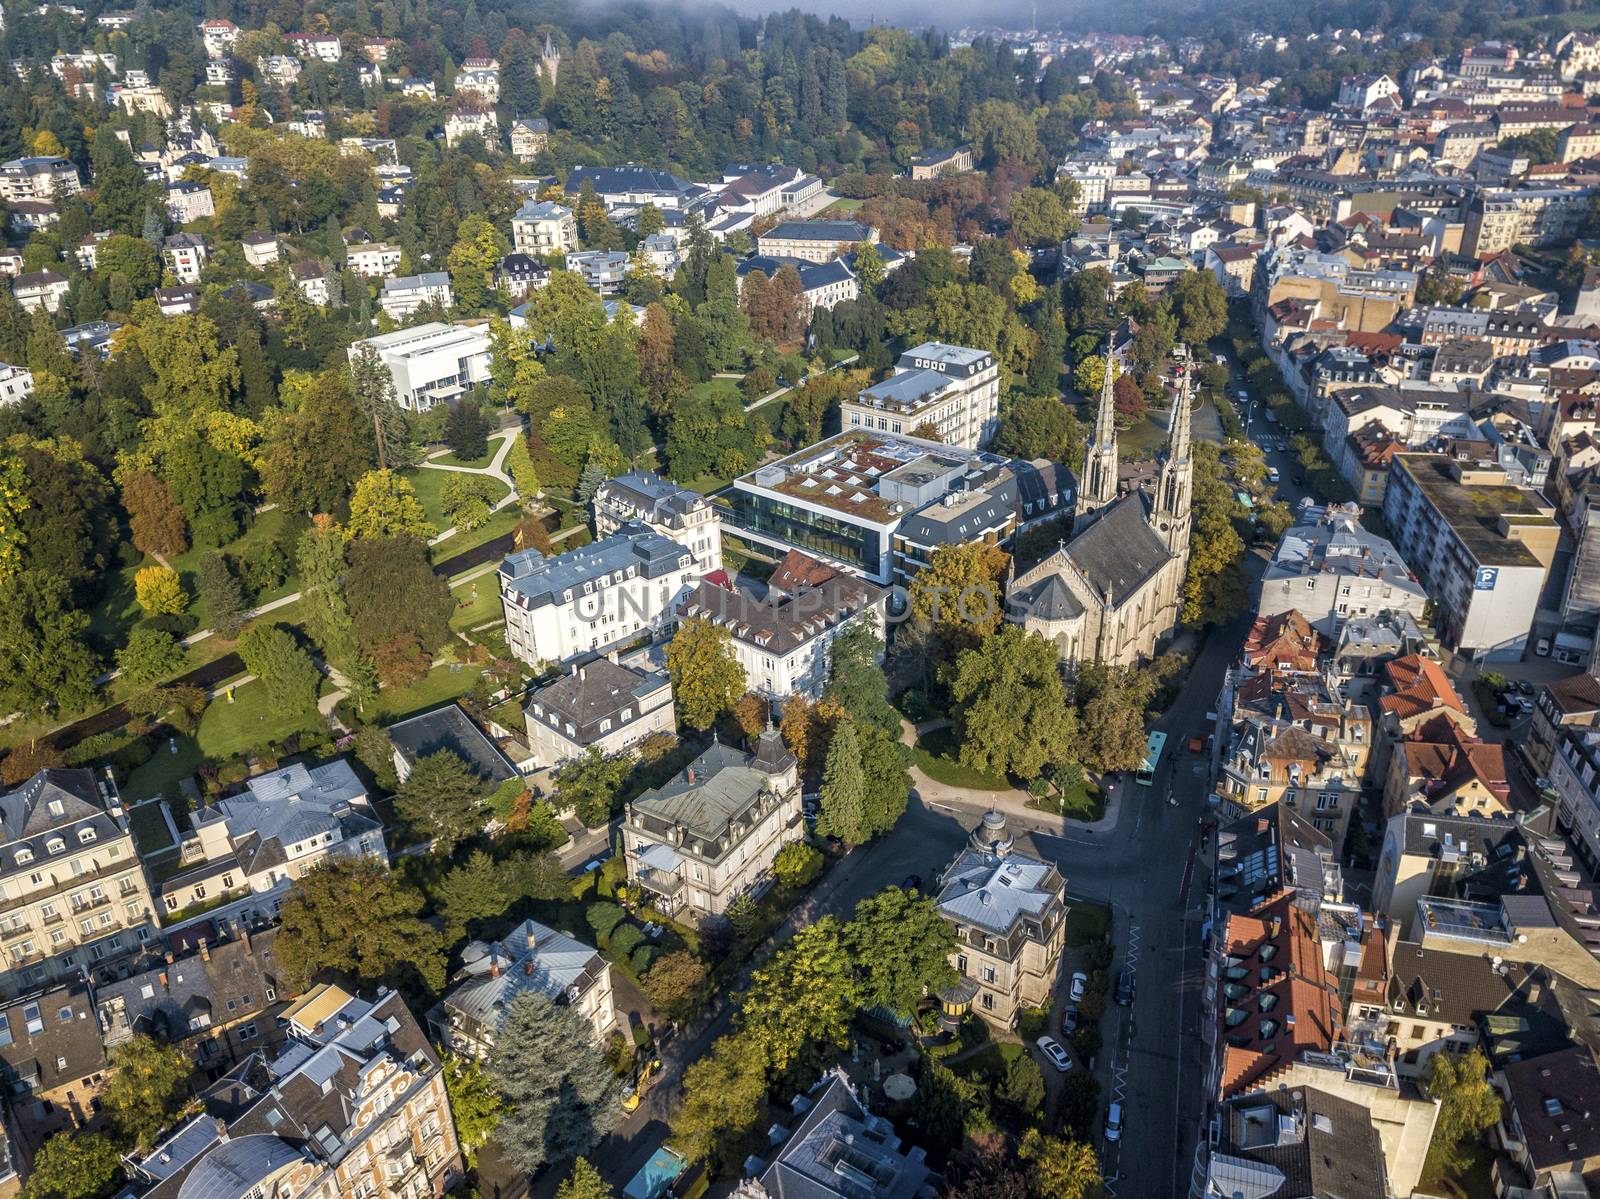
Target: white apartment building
[[323, 47], [16, 384], [663, 507], [814, 241], [544, 227], [598, 704], [1481, 547], [404, 295], [73, 897], [219, 36], [618, 590], [40, 289], [186, 255], [189, 202], [1330, 569], [373, 260], [260, 249], [465, 121], [952, 388], [431, 363], [784, 642], [479, 78], [37, 179]]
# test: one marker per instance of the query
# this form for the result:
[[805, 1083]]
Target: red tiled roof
[[1420, 685]]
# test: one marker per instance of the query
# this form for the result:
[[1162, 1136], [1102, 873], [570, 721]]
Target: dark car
[[1069, 1021], [913, 882], [1125, 988]]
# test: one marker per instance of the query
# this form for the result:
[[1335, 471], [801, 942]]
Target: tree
[[901, 945], [150, 655], [797, 865], [474, 890], [46, 665], [1112, 703], [475, 1105], [724, 1101], [22, 763], [386, 505], [148, 1084], [1128, 400], [350, 917], [466, 499], [855, 680], [1061, 1169], [73, 1165], [442, 800], [1022, 1088], [584, 1182], [958, 594], [798, 1006], [221, 594], [286, 671], [888, 781], [312, 457], [560, 1095], [154, 518], [1011, 709], [1041, 427], [373, 387], [466, 430], [1468, 1102], [1089, 376], [159, 591], [707, 679], [844, 787], [1038, 218], [399, 609], [1200, 306], [675, 985]]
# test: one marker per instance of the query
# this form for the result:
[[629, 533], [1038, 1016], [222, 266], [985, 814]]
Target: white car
[[1080, 983], [1051, 1048], [1114, 1122]]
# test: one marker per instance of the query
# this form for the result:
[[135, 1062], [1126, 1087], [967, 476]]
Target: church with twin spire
[[1112, 592]]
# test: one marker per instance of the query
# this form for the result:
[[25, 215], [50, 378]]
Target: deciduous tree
[[707, 679], [475, 1105], [159, 591], [154, 518], [1011, 709], [150, 655], [675, 984], [386, 505], [352, 918], [286, 671], [74, 1165], [901, 945], [149, 1082], [46, 665], [725, 1099]]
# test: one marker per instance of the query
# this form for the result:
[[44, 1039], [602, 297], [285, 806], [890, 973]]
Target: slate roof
[[536, 580], [64, 1048], [994, 893], [52, 804], [824, 231], [1119, 552], [1304, 1142], [1555, 1097], [781, 625], [289, 806], [1579, 693], [1448, 987], [718, 785], [1048, 598], [595, 690], [230, 982], [840, 1150], [452, 729], [554, 965]]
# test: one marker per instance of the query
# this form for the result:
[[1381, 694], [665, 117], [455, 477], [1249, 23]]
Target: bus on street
[[1152, 759]]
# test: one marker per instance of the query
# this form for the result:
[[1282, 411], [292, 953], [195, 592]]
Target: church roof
[[1120, 551], [1047, 599]]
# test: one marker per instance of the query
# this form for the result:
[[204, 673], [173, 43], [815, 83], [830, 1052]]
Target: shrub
[[797, 865], [1033, 1023], [642, 959], [1087, 1040], [624, 941], [603, 918]]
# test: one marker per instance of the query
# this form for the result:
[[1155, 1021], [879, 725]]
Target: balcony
[[90, 904], [12, 934]]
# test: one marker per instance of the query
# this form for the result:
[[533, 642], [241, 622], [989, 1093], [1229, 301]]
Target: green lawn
[[715, 387], [1144, 439], [452, 460], [429, 486], [477, 602], [1084, 801], [1465, 1173], [150, 830], [1087, 923], [438, 686], [935, 756], [844, 206], [990, 1062], [247, 724]]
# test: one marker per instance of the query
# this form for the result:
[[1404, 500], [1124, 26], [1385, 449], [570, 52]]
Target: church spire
[[1098, 487], [1174, 491]]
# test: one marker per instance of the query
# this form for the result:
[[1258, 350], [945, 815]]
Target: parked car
[[1125, 988], [1080, 983], [1114, 1122], [1272, 474], [913, 883], [1069, 1021], [1543, 648], [1524, 686], [1051, 1048]]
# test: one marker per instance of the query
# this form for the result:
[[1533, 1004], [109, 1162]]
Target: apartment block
[[432, 363], [947, 393]]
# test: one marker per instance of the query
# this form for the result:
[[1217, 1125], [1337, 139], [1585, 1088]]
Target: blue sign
[[1486, 577]]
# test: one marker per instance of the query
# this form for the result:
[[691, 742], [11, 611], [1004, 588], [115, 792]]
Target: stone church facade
[[1112, 593]]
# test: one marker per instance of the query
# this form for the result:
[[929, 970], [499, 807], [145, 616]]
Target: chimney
[[163, 980], [527, 967], [494, 966], [533, 937], [689, 775], [205, 954], [244, 935]]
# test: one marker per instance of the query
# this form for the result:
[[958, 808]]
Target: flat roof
[[1474, 510]]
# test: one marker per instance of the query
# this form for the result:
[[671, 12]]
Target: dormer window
[[55, 845], [85, 835], [24, 855]]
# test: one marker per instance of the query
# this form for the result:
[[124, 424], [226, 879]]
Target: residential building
[[935, 163], [534, 958], [16, 384], [633, 186], [1569, 703], [1270, 851], [315, 282], [249, 848], [218, 1003], [529, 137], [354, 1104], [479, 77], [29, 215], [261, 249], [404, 294], [1482, 547], [598, 704], [38, 179], [1330, 569], [1009, 910], [467, 120], [1500, 218], [1574, 784], [837, 1149], [602, 270], [373, 260], [519, 274], [1546, 1125], [1304, 1142], [177, 301], [220, 36], [620, 589], [663, 507], [40, 290], [814, 241], [1444, 769], [52, 1062], [1415, 691], [1476, 856], [188, 202], [432, 363], [449, 729], [711, 833], [544, 227], [73, 898], [186, 254], [321, 46], [945, 393], [783, 642]]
